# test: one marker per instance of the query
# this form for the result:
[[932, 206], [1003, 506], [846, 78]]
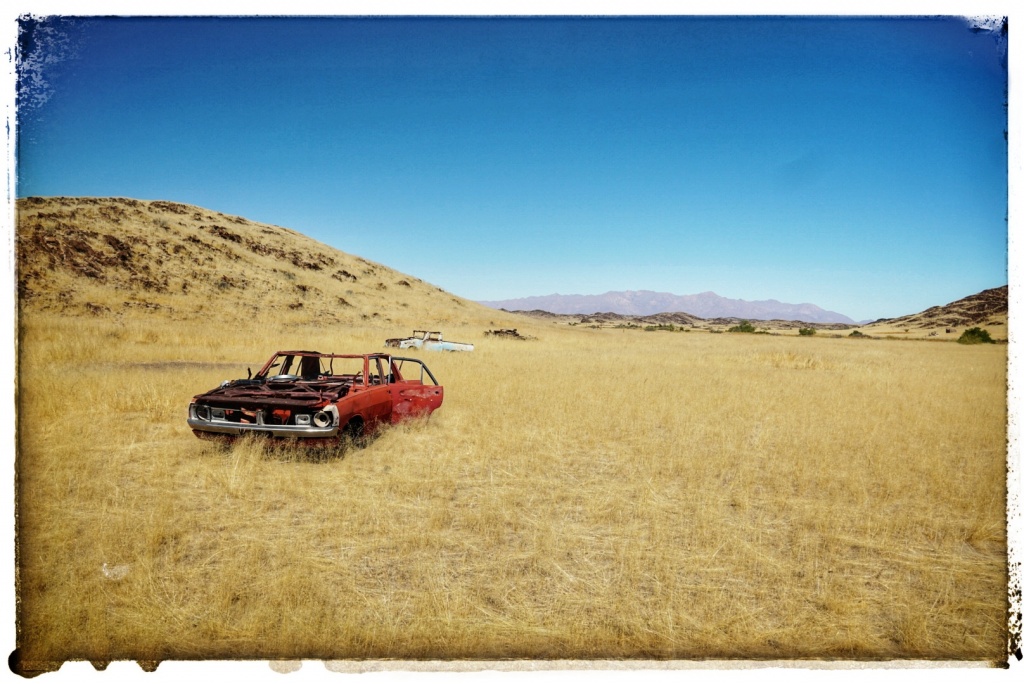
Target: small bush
[[975, 336], [857, 333], [743, 327], [653, 328], [807, 331]]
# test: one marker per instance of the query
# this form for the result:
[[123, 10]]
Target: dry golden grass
[[591, 494]]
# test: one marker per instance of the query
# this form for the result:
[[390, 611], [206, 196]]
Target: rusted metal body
[[310, 396], [432, 340], [507, 332]]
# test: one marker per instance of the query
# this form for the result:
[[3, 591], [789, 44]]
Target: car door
[[377, 392], [414, 390], [368, 398]]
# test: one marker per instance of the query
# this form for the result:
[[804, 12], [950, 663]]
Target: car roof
[[328, 355]]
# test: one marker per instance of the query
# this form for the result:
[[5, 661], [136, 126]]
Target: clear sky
[[856, 163]]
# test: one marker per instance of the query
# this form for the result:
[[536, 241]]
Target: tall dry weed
[[591, 494]]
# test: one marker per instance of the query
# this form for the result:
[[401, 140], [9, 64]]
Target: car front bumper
[[227, 427]]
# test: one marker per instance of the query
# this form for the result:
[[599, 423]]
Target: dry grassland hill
[[987, 309], [123, 258], [119, 257]]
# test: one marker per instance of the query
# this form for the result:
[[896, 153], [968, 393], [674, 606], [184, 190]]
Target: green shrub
[[976, 336], [807, 331], [857, 333], [744, 327]]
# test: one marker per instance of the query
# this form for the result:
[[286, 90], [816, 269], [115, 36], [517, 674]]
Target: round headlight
[[203, 412], [322, 419]]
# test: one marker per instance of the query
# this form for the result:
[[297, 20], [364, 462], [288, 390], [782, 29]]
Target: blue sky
[[856, 163]]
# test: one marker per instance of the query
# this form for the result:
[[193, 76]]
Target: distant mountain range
[[646, 303]]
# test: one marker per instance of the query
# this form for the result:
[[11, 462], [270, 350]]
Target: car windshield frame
[[287, 363]]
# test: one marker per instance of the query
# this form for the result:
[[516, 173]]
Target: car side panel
[[411, 397], [372, 404]]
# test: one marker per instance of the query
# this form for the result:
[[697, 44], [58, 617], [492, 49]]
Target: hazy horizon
[[543, 302]]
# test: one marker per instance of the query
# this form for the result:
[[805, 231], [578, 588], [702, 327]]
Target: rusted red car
[[322, 397]]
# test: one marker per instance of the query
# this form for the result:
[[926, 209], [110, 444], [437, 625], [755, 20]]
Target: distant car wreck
[[510, 333], [307, 395], [432, 340]]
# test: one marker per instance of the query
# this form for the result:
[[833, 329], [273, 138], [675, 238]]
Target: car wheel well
[[354, 427]]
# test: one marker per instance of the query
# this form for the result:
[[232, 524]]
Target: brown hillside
[[987, 309], [115, 256]]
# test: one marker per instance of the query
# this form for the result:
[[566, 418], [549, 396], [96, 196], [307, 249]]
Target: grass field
[[589, 494]]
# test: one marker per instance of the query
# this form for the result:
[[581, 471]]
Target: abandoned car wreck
[[429, 340], [314, 397]]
